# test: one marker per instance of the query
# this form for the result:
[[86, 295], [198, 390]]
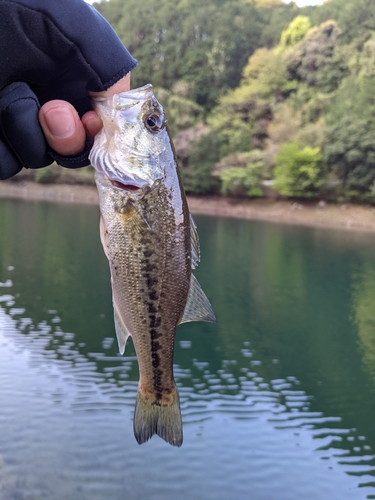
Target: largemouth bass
[[151, 243]]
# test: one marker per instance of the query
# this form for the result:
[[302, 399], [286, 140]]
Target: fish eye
[[153, 122]]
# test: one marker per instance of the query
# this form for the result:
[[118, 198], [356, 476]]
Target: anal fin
[[198, 307], [121, 330]]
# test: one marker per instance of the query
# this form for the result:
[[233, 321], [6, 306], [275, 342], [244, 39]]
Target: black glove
[[50, 49]]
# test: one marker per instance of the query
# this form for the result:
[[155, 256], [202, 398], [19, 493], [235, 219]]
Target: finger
[[62, 127], [92, 123], [121, 85]]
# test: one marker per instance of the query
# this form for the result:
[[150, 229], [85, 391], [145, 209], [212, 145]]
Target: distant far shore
[[315, 214]]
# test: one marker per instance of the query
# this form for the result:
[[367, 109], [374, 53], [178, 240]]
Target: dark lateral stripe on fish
[[154, 321]]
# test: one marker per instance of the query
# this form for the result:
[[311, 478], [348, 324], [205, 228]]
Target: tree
[[276, 20], [237, 181], [201, 156], [299, 172], [193, 41], [316, 60], [350, 154], [355, 18], [268, 4], [355, 98], [296, 30], [242, 116], [242, 174], [181, 111]]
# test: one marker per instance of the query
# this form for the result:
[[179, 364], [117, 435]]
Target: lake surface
[[278, 398]]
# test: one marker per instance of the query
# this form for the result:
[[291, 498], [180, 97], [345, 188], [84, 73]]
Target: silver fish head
[[127, 150]]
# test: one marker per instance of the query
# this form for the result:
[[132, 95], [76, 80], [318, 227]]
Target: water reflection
[[277, 398], [364, 314]]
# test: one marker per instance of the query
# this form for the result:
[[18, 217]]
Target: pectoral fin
[[121, 330], [140, 215], [198, 307]]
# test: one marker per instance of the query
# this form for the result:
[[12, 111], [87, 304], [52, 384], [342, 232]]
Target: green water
[[278, 398]]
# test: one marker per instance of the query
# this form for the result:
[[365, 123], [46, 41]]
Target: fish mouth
[[127, 99], [125, 187]]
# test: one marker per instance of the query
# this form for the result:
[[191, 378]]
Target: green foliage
[[240, 121], [277, 20], [370, 196], [296, 30], [268, 4], [272, 83], [299, 172], [362, 58], [266, 74], [182, 112], [285, 124], [313, 134], [238, 181], [193, 41], [197, 174], [243, 115], [311, 104], [350, 154], [316, 59], [236, 34], [356, 18], [355, 97]]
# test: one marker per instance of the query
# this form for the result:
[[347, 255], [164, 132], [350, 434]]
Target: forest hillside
[[261, 96]]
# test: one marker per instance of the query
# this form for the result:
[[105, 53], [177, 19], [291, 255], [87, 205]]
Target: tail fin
[[161, 417]]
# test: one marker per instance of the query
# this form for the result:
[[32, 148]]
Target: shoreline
[[314, 214]]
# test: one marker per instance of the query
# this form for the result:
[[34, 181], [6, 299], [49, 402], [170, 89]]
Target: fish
[[151, 243]]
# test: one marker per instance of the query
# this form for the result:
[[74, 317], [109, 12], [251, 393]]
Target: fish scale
[[151, 244]]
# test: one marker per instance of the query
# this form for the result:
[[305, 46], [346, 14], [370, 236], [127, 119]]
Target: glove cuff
[[81, 160]]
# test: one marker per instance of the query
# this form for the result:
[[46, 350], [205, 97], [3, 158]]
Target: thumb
[[62, 127]]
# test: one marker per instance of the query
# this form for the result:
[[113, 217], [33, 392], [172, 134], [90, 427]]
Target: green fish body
[[152, 246]]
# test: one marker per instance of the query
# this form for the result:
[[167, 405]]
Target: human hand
[[61, 53], [65, 131]]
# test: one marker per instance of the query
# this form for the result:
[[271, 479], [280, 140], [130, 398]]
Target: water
[[278, 398]]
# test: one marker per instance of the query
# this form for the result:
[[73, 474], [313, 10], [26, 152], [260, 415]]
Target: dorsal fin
[[198, 307]]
